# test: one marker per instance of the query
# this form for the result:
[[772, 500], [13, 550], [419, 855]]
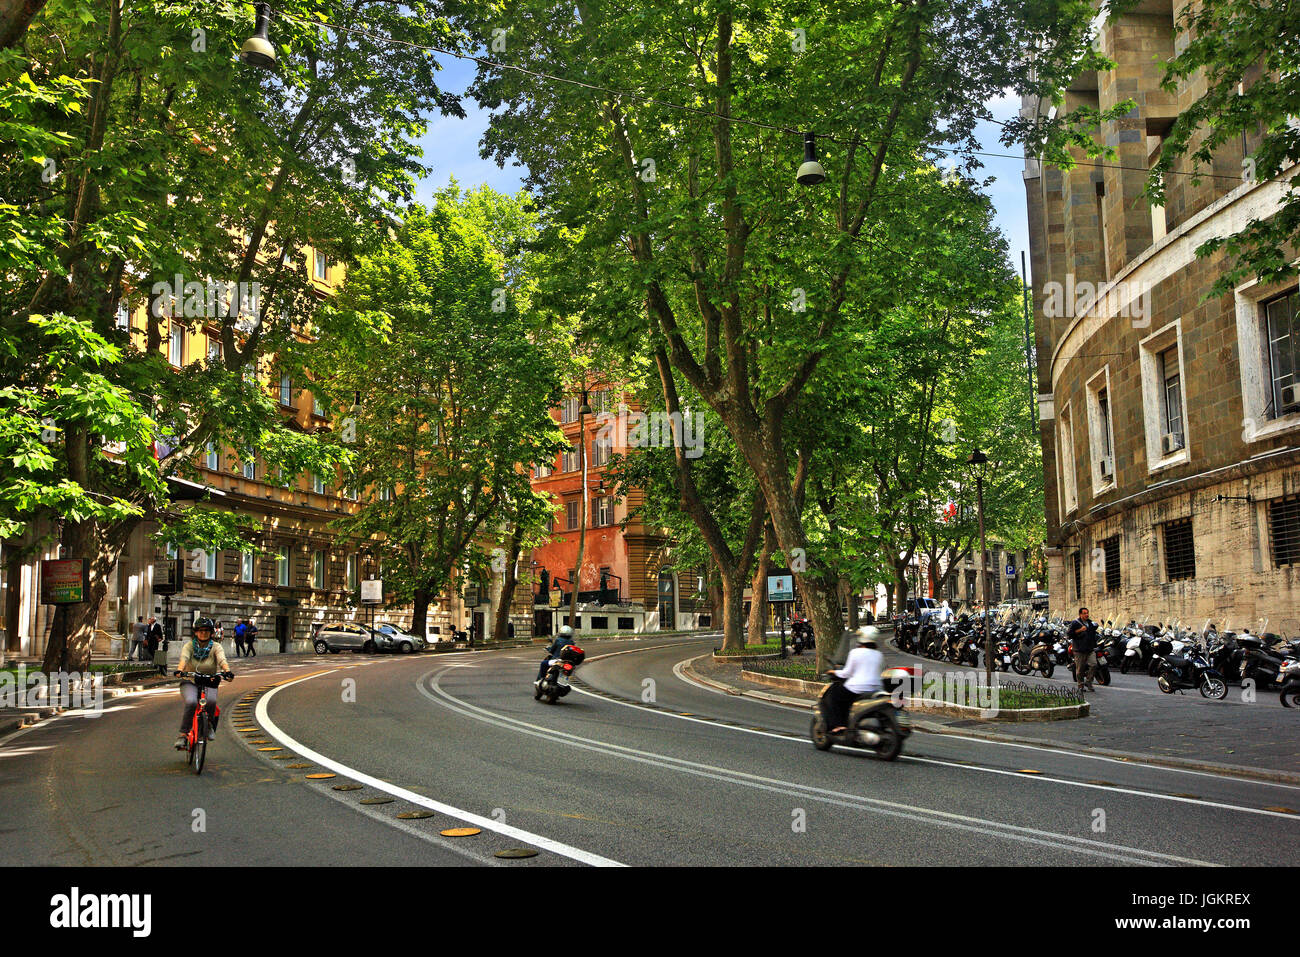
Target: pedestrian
[[240, 630], [1083, 637], [250, 638], [156, 645], [139, 634]]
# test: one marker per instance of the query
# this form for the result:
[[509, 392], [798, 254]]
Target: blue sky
[[451, 147]]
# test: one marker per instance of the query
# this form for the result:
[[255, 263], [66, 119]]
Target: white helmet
[[566, 631], [867, 635]]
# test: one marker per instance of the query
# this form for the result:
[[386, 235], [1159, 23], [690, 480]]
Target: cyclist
[[205, 656]]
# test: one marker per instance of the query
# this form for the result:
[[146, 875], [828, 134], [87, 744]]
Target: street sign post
[[372, 594]]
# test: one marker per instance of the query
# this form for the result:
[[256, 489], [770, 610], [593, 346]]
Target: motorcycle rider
[[563, 639], [1083, 635], [861, 674]]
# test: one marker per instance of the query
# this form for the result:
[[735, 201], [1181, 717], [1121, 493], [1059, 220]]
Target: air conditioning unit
[[1290, 395], [1107, 467], [1170, 442]]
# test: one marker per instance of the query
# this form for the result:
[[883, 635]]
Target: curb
[[921, 724]]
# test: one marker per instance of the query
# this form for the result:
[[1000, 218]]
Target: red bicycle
[[196, 739]]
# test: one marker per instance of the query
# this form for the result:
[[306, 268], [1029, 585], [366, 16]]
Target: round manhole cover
[[376, 800], [321, 777], [347, 787], [415, 815], [514, 852], [461, 832]]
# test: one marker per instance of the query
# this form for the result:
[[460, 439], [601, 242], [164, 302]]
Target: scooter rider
[[562, 639], [861, 674]]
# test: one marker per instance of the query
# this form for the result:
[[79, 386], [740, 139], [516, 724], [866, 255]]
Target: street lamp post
[[583, 411], [980, 461]]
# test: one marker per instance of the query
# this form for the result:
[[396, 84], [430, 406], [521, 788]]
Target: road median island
[[730, 678]]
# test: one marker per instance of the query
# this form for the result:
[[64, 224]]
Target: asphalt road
[[697, 778]]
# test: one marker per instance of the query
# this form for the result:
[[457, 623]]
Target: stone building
[[303, 572], [1170, 420]]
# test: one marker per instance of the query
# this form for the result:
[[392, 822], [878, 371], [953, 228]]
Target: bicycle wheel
[[201, 745]]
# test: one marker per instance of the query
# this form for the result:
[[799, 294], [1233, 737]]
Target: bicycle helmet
[[566, 631], [202, 623]]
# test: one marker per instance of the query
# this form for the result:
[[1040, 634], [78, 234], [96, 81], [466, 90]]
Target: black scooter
[[1290, 695], [874, 724], [1190, 669], [801, 636]]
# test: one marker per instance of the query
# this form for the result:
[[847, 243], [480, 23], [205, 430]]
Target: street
[[636, 767]]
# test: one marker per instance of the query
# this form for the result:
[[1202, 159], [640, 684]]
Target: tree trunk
[[852, 603], [733, 609], [501, 627], [758, 588], [72, 633], [420, 612]]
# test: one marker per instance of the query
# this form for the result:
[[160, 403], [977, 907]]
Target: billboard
[[63, 581], [780, 588]]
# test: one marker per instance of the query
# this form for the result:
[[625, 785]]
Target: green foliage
[[455, 381]]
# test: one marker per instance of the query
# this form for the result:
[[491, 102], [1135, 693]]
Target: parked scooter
[[1290, 695], [801, 635], [1190, 669], [1034, 654]]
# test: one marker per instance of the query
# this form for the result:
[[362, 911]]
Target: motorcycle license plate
[[1006, 659], [562, 681]]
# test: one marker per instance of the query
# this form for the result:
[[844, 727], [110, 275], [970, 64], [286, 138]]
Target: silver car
[[395, 638], [346, 636]]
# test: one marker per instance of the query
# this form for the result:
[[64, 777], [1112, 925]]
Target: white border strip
[[488, 824]]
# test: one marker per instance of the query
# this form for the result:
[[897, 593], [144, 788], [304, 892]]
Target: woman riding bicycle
[[206, 657]]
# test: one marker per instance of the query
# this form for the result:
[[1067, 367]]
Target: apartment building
[[1170, 420]]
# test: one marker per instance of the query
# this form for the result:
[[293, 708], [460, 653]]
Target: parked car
[[398, 639], [339, 636]]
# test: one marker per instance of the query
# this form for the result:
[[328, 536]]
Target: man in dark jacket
[[1083, 636], [565, 637]]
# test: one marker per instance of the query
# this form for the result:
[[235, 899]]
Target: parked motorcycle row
[[1180, 659]]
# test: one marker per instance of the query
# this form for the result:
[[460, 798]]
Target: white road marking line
[[488, 824], [1016, 833], [1060, 752]]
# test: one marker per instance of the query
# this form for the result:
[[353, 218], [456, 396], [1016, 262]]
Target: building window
[[212, 458], [286, 389], [322, 266], [1284, 530], [1164, 397], [210, 564], [1171, 401], [604, 510], [317, 484], [250, 464], [385, 493], [246, 566], [1180, 550], [176, 345], [123, 317], [1078, 577], [1282, 334], [318, 569], [1101, 432], [571, 461], [571, 509], [601, 449], [317, 407], [282, 566], [599, 623], [1069, 481], [352, 573], [543, 470], [626, 624], [550, 525], [569, 410], [214, 350], [171, 550], [1111, 549]]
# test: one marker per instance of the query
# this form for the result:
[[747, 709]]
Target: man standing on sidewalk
[[139, 634], [1083, 635], [154, 638]]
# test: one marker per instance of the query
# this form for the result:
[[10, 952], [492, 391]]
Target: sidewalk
[[1258, 741]]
